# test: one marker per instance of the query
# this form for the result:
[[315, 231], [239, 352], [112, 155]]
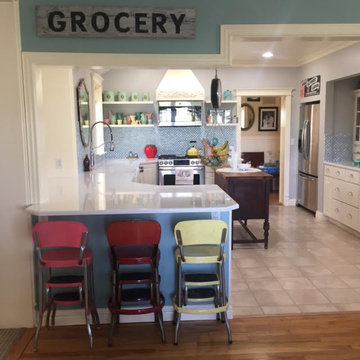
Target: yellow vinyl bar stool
[[201, 242]]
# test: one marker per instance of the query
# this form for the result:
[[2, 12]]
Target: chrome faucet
[[92, 148]]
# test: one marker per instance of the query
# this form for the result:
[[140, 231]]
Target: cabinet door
[[336, 172], [148, 173], [345, 192], [327, 195], [209, 175], [352, 176]]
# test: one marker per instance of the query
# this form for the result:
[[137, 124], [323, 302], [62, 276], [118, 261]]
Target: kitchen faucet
[[92, 148]]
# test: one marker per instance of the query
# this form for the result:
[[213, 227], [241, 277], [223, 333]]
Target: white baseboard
[[289, 202], [76, 316], [319, 215], [344, 227]]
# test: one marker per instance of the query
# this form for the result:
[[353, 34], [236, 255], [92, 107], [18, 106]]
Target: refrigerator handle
[[302, 140], [307, 177], [306, 143]]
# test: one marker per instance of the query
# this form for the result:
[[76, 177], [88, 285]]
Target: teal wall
[[210, 14]]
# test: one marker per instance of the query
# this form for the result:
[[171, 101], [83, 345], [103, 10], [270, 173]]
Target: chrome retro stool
[[135, 260], [200, 242], [62, 245]]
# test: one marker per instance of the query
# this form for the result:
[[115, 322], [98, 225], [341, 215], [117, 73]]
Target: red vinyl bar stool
[[135, 271], [65, 275]]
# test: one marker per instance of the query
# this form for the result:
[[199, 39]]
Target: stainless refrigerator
[[308, 146]]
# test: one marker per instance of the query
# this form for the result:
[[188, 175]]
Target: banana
[[224, 150], [221, 147]]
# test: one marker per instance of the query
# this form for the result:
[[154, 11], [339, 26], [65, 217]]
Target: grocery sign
[[110, 22]]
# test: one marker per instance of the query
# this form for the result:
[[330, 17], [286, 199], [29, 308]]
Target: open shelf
[[128, 102]]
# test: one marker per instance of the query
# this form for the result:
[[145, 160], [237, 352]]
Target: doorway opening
[[284, 124]]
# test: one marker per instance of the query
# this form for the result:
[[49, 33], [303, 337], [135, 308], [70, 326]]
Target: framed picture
[[268, 118]]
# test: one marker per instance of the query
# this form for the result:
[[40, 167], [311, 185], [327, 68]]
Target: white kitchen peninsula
[[110, 193]]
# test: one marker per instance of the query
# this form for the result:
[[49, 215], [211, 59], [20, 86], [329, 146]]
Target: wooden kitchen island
[[250, 189]]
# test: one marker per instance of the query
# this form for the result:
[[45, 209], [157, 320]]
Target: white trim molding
[[285, 126]]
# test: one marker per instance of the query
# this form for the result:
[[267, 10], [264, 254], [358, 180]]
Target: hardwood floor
[[296, 337]]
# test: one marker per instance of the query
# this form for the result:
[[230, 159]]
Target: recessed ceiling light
[[268, 54]]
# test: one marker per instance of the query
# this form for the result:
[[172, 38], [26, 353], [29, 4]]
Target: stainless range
[[181, 170]]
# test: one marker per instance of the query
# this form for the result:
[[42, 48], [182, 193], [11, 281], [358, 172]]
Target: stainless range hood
[[177, 85]]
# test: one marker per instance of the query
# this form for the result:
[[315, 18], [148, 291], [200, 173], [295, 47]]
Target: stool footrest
[[201, 294], [136, 277], [136, 294], [65, 281], [201, 278], [67, 296], [61, 279], [199, 310], [116, 309]]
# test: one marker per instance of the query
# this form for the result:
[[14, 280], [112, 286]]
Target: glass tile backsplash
[[168, 140], [338, 147]]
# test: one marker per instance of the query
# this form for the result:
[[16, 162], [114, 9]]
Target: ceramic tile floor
[[310, 266]]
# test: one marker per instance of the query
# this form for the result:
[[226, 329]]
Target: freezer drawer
[[307, 192]]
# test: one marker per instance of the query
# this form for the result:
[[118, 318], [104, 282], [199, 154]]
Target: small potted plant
[[150, 151]]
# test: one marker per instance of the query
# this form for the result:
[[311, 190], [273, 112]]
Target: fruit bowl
[[244, 166]]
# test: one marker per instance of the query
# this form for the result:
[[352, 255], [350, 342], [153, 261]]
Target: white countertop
[[345, 164], [112, 189]]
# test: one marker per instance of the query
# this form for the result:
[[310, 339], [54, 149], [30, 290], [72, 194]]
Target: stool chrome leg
[[40, 308], [222, 267], [158, 315], [86, 303], [53, 313], [179, 302], [94, 313], [112, 325]]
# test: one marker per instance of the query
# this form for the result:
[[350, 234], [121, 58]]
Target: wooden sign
[[310, 86], [114, 22]]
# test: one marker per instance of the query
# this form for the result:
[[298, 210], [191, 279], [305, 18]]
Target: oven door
[[168, 177]]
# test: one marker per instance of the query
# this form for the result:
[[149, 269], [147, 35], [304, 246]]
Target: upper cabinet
[[356, 146]]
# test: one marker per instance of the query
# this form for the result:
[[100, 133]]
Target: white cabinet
[[209, 175], [148, 173], [356, 144], [341, 195]]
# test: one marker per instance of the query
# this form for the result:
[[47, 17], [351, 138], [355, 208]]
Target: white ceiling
[[242, 46], [288, 49]]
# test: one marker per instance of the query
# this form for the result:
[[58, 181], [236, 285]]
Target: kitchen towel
[[184, 176]]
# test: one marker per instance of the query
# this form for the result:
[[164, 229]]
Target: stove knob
[[170, 162], [160, 162], [165, 162]]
